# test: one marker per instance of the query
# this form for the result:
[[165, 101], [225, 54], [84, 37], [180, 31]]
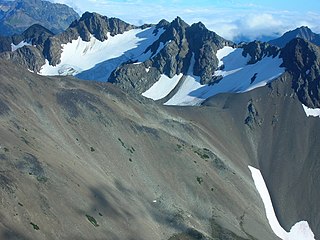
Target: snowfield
[[313, 112], [299, 231], [19, 45], [95, 60], [162, 87], [237, 77]]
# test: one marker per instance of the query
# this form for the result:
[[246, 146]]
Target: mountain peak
[[99, 26], [179, 22], [301, 32], [199, 25], [88, 15]]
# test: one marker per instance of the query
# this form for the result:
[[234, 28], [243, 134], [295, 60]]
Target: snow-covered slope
[[19, 45], [237, 76], [313, 112], [162, 87], [96, 60], [300, 230]]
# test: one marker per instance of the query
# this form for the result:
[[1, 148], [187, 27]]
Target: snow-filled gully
[[300, 231]]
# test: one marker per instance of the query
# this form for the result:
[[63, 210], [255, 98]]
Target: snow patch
[[237, 77], [314, 112], [300, 230], [221, 53], [95, 60], [162, 87], [191, 83], [19, 45]]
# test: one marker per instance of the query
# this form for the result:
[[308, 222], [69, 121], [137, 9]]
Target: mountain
[[171, 62], [16, 16], [72, 156], [35, 35], [110, 157], [302, 32]]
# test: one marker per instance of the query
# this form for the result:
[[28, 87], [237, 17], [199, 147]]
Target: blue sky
[[231, 19]]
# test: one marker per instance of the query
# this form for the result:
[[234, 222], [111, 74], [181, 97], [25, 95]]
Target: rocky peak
[[301, 32], [178, 23], [180, 43], [90, 24], [257, 50], [36, 34], [162, 24], [97, 25], [302, 59]]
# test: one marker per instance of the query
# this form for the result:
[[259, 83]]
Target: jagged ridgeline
[[172, 62]]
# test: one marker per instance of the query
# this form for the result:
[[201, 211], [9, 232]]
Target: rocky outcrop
[[258, 50], [34, 35], [94, 24], [29, 57], [135, 77], [302, 60]]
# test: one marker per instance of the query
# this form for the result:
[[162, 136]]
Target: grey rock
[[302, 60], [28, 57], [258, 50]]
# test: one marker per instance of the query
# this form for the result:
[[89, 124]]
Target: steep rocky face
[[258, 50], [16, 16], [302, 60], [29, 57], [95, 24], [34, 35], [302, 32], [204, 44]]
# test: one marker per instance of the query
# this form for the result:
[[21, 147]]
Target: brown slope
[[72, 150]]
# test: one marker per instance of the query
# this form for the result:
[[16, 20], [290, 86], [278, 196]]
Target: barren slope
[[77, 154]]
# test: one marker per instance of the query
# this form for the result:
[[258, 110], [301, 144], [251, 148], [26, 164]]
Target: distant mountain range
[[16, 16]]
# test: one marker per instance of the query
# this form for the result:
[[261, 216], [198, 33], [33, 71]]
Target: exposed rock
[[258, 50], [302, 60], [180, 43], [134, 77], [29, 57]]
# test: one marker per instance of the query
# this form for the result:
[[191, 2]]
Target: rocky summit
[[115, 131]]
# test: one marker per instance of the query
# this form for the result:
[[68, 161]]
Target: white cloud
[[250, 21]]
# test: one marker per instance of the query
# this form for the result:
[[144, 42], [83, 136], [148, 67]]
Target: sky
[[232, 19]]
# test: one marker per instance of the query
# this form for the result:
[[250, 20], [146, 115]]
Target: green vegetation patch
[[92, 220], [35, 226]]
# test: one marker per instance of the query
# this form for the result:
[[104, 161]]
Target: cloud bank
[[235, 22]]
